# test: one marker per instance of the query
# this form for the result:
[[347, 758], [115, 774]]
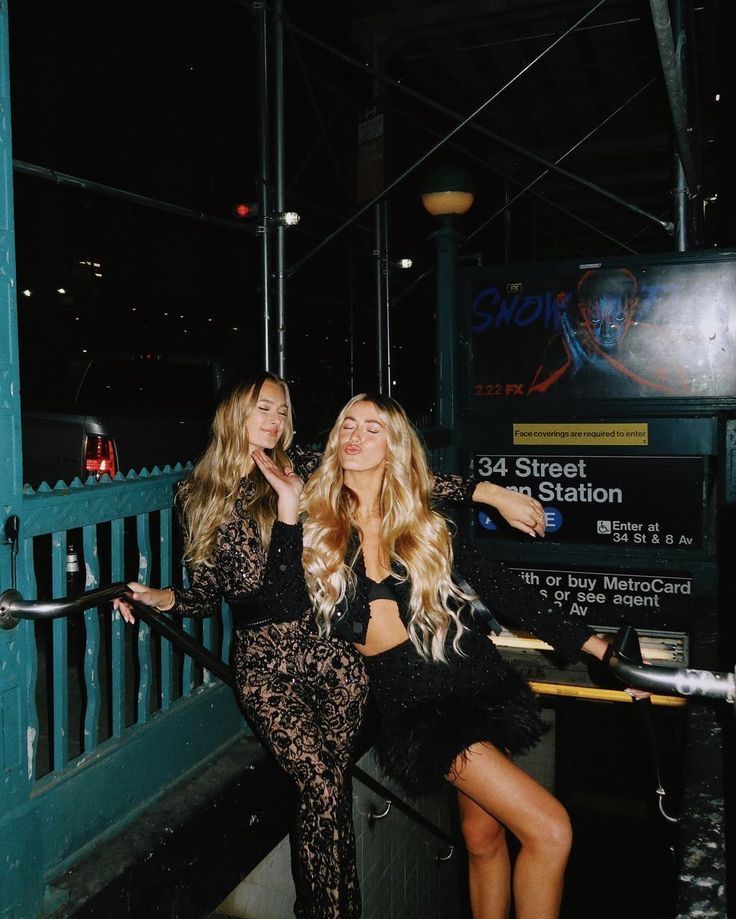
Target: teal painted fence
[[115, 715]]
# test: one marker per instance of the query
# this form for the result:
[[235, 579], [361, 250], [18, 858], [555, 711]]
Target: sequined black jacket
[[509, 598]]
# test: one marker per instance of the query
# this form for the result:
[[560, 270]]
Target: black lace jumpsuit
[[303, 695]]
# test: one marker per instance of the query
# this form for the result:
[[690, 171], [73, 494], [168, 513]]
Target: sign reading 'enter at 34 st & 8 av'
[[652, 501]]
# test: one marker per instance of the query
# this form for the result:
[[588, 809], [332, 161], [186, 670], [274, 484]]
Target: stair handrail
[[14, 608]]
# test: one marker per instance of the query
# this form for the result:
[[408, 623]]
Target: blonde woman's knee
[[484, 837], [554, 830]]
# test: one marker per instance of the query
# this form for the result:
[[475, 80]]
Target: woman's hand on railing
[[600, 648], [160, 599]]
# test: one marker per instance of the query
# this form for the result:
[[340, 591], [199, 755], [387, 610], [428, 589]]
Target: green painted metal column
[[21, 884], [447, 194], [446, 241]]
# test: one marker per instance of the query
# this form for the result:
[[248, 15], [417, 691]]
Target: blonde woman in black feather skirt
[[379, 561]]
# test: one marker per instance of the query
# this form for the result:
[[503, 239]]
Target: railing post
[[21, 890]]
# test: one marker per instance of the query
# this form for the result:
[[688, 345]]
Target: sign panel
[[605, 434], [601, 597], [370, 171], [647, 501], [594, 331]]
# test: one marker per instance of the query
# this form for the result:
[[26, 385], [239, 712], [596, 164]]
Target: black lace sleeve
[[305, 461], [453, 488], [202, 598], [517, 604], [241, 569], [284, 591]]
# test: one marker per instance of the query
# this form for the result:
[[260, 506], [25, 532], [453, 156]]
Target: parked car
[[126, 412]]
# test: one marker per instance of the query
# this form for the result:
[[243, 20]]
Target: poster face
[[605, 500], [592, 331]]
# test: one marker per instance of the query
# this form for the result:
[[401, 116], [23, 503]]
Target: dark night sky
[[159, 99]]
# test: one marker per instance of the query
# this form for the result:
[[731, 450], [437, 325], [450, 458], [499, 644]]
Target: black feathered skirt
[[431, 712]]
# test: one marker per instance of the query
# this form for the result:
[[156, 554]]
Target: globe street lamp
[[447, 193]]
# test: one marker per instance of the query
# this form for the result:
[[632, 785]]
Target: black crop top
[[383, 590], [503, 591]]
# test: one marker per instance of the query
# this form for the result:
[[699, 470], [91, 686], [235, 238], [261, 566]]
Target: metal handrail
[[679, 681], [13, 608]]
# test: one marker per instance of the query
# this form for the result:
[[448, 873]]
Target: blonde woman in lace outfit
[[303, 694]]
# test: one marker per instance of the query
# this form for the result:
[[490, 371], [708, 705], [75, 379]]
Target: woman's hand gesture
[[285, 482]]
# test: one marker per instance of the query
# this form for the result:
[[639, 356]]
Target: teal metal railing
[[116, 714]]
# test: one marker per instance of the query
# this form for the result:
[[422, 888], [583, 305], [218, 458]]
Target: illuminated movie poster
[[595, 331]]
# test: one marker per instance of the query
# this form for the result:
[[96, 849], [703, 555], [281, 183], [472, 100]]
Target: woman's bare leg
[[489, 869], [533, 815]]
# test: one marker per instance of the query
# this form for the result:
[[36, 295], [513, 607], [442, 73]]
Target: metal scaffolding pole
[[63, 178], [264, 177], [380, 251], [682, 201], [279, 194], [672, 69]]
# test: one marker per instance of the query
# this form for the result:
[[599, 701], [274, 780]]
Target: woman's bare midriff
[[385, 629]]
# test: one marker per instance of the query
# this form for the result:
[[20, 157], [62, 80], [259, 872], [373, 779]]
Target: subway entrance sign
[[605, 500]]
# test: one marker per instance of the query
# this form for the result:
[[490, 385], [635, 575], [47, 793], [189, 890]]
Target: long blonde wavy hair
[[207, 496], [415, 540]]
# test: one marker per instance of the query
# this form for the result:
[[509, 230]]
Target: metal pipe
[[62, 178], [682, 203], [469, 119], [14, 608], [279, 142], [681, 206], [387, 385], [678, 681], [264, 173], [378, 270], [390, 798], [675, 93], [380, 240], [447, 240]]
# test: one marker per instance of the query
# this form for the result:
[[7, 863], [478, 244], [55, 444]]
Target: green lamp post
[[447, 193]]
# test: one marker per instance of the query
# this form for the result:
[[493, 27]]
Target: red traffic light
[[245, 209]]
